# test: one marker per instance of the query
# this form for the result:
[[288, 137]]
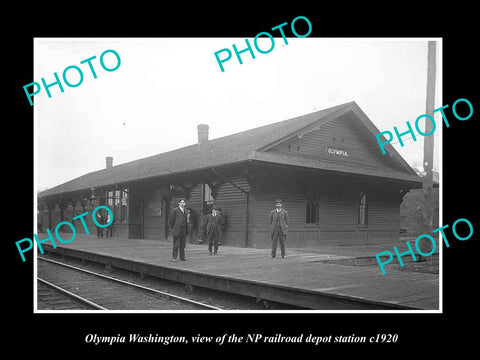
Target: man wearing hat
[[178, 223], [212, 227], [278, 227]]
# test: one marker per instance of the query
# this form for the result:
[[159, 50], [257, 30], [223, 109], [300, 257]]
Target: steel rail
[[71, 295], [146, 289]]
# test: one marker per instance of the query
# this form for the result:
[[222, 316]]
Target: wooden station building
[[327, 167]]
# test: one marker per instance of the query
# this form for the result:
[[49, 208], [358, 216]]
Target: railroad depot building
[[326, 166]]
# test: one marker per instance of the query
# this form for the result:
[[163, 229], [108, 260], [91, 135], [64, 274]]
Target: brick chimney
[[202, 133], [109, 162]]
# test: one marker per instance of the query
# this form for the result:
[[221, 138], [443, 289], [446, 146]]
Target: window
[[117, 201], [208, 199], [110, 199], [362, 210], [124, 206], [116, 206], [311, 208]]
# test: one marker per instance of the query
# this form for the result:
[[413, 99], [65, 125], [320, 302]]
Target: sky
[[165, 87]]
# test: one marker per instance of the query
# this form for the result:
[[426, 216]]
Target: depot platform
[[324, 278]]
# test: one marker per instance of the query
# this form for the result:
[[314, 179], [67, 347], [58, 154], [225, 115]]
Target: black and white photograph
[[281, 204], [299, 180]]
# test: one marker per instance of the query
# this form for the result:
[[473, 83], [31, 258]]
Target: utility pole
[[426, 246]]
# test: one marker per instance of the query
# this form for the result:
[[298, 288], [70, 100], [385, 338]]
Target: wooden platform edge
[[305, 298]]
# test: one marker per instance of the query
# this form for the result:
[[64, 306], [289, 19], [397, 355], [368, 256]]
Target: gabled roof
[[240, 147]]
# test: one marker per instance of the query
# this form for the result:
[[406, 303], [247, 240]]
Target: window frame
[[362, 210], [117, 200], [207, 202], [312, 203]]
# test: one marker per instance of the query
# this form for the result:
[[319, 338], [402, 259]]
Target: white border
[[439, 93]]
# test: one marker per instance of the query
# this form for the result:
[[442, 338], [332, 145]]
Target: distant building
[[327, 167]]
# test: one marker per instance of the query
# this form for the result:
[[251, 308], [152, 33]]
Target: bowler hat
[[278, 201], [182, 199]]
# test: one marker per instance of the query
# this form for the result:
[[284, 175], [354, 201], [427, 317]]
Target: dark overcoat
[[210, 220], [178, 221]]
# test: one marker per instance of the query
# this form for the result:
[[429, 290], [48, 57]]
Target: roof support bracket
[[229, 181]]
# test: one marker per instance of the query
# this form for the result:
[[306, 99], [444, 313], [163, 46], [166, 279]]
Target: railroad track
[[90, 290], [51, 297]]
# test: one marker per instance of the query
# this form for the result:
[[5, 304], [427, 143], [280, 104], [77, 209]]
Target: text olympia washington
[[135, 338]]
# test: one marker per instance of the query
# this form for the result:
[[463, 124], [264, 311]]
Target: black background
[[63, 334]]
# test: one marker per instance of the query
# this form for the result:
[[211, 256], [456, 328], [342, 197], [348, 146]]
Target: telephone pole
[[428, 143]]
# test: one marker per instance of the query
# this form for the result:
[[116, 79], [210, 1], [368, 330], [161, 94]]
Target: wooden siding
[[337, 217], [231, 199], [153, 223], [136, 205], [233, 202], [196, 203], [261, 206], [120, 230], [383, 218], [343, 133], [338, 200]]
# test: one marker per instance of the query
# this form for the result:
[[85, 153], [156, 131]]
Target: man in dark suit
[[278, 227], [178, 223], [212, 228]]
